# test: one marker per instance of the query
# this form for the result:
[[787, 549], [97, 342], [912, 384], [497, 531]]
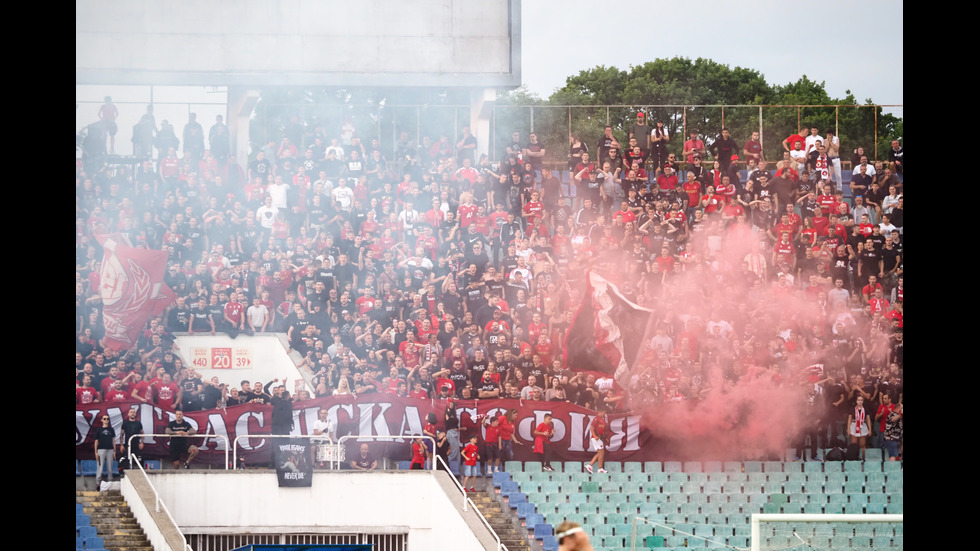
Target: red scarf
[[858, 419]]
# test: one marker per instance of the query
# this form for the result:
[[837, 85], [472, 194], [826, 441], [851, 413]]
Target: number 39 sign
[[221, 358]]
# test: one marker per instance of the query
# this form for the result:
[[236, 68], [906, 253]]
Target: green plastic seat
[[653, 467], [513, 466], [632, 467], [673, 467], [572, 466], [532, 467], [891, 466], [833, 467], [853, 466], [733, 466], [773, 466], [753, 466]]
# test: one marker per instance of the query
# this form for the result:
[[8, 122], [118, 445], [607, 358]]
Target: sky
[[826, 41]]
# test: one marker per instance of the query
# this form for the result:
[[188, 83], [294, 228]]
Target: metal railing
[[340, 442], [204, 436], [157, 501], [467, 501]]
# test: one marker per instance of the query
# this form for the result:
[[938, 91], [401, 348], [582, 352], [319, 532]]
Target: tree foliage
[[657, 85]]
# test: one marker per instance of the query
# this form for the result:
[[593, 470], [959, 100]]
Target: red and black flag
[[607, 332]]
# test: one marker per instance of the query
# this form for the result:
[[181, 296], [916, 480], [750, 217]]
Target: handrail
[[467, 500], [157, 502], [340, 442], [455, 481], [205, 436]]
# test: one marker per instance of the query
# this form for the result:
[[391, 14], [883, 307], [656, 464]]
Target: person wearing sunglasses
[[104, 446]]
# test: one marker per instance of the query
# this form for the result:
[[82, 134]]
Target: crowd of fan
[[434, 273]]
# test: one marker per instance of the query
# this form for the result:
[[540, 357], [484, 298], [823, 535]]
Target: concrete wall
[[298, 42], [386, 502], [260, 357]]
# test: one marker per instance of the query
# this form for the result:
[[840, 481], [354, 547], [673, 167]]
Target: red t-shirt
[[470, 454], [493, 434], [167, 395], [599, 426], [85, 395], [418, 453]]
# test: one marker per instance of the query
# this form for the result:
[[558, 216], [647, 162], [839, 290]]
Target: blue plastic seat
[[509, 487], [542, 529], [500, 478], [533, 520], [516, 499], [86, 532], [89, 467], [153, 464], [549, 543], [94, 543], [82, 520]]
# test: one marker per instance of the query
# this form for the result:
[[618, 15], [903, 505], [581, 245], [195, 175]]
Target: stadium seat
[[513, 466], [653, 467], [891, 466], [673, 467], [652, 542], [833, 467], [753, 466], [525, 509], [86, 532], [519, 477], [772, 466], [79, 542], [873, 455], [631, 467], [88, 467], [532, 467], [500, 478], [549, 543], [516, 499], [733, 466], [566, 509], [590, 487], [693, 467], [533, 520], [92, 543], [812, 467], [542, 530], [792, 467], [854, 487], [536, 497], [82, 520], [509, 487], [853, 466]]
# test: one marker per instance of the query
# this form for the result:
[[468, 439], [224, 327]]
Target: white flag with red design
[[132, 289]]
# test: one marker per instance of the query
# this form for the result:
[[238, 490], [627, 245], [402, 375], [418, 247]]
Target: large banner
[[248, 427], [730, 426]]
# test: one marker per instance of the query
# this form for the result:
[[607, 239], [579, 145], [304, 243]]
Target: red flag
[[607, 332], [132, 289]]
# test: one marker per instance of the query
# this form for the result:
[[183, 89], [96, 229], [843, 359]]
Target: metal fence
[[869, 126]]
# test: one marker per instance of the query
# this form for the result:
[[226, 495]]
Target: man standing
[[641, 131], [104, 447], [179, 446], [693, 146], [833, 153], [723, 149], [753, 149], [131, 426]]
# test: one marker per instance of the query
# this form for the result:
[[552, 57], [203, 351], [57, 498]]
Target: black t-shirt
[[106, 437], [130, 428], [175, 427]]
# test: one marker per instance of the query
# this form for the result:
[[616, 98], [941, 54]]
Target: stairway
[[114, 521], [502, 520]]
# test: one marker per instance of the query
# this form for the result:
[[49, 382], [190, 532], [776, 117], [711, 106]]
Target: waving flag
[[132, 289], [607, 332]]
